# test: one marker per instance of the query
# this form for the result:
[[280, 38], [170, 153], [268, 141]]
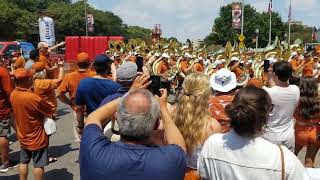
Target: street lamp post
[[85, 15], [257, 37], [285, 36]]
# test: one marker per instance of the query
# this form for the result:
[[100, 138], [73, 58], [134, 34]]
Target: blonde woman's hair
[[192, 111]]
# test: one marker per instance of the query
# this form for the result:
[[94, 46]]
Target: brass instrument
[[116, 47]]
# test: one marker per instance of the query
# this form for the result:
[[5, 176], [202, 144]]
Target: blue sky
[[194, 18]]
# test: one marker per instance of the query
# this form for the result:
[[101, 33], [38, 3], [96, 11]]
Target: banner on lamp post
[[90, 22], [236, 15]]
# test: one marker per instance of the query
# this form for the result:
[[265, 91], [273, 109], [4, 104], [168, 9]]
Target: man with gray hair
[[135, 156]]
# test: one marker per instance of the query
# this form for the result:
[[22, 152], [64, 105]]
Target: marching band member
[[199, 66], [235, 66]]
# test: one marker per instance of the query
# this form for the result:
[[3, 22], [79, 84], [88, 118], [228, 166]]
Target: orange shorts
[[191, 174], [306, 135]]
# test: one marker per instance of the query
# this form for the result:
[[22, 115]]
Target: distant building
[[299, 23], [197, 43], [156, 33]]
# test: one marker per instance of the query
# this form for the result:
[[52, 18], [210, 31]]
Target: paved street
[[63, 147]]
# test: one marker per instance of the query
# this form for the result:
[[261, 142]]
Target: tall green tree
[[301, 32], [223, 31]]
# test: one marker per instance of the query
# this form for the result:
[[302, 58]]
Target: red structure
[[93, 45], [156, 33]]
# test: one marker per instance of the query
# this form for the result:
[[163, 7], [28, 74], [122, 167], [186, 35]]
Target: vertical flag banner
[[270, 6], [46, 30], [290, 13], [315, 34], [236, 15], [90, 22]]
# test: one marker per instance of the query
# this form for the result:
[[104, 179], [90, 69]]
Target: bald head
[[137, 115], [137, 103]]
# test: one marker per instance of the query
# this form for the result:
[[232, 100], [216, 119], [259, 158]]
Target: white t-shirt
[[280, 126], [230, 156]]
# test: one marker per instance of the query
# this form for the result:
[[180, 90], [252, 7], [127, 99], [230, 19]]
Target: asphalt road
[[63, 146]]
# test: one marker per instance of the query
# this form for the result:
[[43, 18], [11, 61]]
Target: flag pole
[[289, 23], [85, 16], [242, 17], [270, 19]]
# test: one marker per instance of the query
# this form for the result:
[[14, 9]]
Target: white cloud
[[194, 18]]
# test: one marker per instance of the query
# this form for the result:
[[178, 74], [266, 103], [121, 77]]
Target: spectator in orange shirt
[[307, 117], [44, 87], [192, 112], [70, 84], [224, 83], [19, 63], [30, 110], [43, 48], [5, 91]]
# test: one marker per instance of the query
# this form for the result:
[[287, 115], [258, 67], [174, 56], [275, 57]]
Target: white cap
[[157, 54], [272, 60], [165, 55], [187, 55], [223, 60], [42, 45], [217, 62], [294, 53], [235, 59]]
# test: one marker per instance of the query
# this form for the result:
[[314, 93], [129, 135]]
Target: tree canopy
[[223, 31], [19, 20]]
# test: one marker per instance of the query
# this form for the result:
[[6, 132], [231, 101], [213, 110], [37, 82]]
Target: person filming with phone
[[134, 156]]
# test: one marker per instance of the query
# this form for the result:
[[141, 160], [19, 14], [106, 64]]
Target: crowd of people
[[213, 129]]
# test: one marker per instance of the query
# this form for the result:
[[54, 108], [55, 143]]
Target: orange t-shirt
[[71, 82], [45, 89], [162, 68], [237, 71], [217, 105], [5, 91], [294, 64], [184, 66], [198, 67], [308, 69], [44, 60], [30, 110]]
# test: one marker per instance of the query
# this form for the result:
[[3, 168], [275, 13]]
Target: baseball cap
[[83, 57], [102, 59], [22, 73], [19, 63], [42, 45], [127, 71]]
